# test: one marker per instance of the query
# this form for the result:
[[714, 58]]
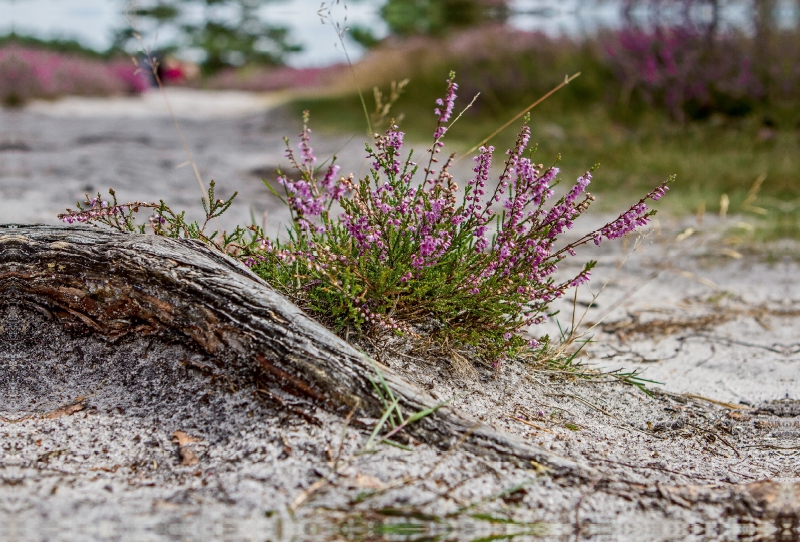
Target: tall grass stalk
[[326, 15], [133, 21]]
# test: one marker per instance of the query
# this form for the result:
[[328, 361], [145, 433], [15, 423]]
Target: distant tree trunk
[[116, 285], [764, 43]]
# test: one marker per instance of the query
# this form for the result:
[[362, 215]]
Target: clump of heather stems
[[475, 269], [163, 221], [472, 269]]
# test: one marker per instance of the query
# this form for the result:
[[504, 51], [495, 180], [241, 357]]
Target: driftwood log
[[112, 286]]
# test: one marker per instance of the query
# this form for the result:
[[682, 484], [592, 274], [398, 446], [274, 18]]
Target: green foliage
[[230, 35], [163, 221], [435, 17], [364, 36]]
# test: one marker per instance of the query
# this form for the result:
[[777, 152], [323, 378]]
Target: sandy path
[[700, 322], [55, 153]]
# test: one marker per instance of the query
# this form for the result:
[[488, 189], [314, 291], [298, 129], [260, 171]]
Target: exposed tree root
[[115, 285]]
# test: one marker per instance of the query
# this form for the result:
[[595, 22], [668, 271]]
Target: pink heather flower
[[582, 278], [476, 185], [388, 151], [365, 234], [659, 192], [561, 216], [540, 186], [330, 176], [638, 215], [445, 109], [306, 151], [427, 246], [480, 233], [301, 199], [514, 154], [339, 191], [578, 189]]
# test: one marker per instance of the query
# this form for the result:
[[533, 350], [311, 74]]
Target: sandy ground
[[96, 455], [54, 153]]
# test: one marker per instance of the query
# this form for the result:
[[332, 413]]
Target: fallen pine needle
[[303, 497], [65, 411], [526, 422], [714, 401]]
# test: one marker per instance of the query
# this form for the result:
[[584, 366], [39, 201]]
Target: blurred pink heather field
[[27, 74]]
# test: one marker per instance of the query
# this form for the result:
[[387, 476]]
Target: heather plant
[[411, 253], [404, 251], [27, 74], [163, 221]]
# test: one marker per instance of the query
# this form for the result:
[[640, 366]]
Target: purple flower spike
[[624, 224], [306, 151], [330, 175], [638, 215], [582, 278], [475, 187], [445, 110], [386, 158]]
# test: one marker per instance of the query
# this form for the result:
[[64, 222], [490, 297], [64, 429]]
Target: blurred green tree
[[226, 34], [406, 18], [436, 17]]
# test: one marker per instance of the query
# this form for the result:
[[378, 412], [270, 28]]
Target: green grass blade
[[381, 423]]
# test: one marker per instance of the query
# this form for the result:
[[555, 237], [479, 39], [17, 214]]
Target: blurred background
[[706, 89]]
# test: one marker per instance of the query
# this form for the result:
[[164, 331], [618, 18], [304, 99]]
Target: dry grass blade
[[714, 401], [564, 83], [130, 15], [306, 493], [66, 411], [531, 424]]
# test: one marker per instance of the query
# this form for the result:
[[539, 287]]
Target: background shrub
[[27, 74]]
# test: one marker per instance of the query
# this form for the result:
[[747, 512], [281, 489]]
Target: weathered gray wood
[[120, 284]]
